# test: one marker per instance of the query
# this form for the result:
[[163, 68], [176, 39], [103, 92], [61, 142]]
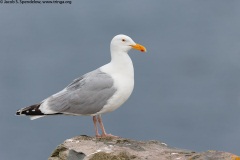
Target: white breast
[[123, 77]]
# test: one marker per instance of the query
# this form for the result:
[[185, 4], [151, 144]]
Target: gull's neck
[[120, 63], [121, 59]]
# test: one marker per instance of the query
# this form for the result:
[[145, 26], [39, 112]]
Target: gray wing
[[85, 95]]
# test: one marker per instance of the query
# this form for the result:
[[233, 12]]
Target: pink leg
[[104, 134], [95, 126]]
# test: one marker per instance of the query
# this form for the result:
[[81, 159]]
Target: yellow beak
[[139, 47]]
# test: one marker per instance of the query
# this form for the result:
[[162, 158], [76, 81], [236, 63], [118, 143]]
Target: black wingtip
[[32, 110], [18, 113]]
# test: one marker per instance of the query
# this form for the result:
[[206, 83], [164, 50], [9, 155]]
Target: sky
[[187, 86]]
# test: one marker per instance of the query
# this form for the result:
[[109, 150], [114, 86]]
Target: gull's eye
[[123, 40]]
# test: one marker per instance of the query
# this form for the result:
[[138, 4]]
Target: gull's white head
[[123, 43]]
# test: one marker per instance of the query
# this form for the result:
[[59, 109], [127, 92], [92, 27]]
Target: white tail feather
[[35, 117]]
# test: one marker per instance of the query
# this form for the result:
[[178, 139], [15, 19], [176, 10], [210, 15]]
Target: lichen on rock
[[92, 148]]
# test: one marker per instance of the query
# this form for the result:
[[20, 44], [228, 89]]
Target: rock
[[91, 148]]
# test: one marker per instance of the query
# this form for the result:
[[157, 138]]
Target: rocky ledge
[[91, 148]]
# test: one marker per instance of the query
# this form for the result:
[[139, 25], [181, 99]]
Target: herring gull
[[100, 91]]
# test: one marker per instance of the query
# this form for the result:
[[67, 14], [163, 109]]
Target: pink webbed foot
[[107, 135], [98, 119]]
